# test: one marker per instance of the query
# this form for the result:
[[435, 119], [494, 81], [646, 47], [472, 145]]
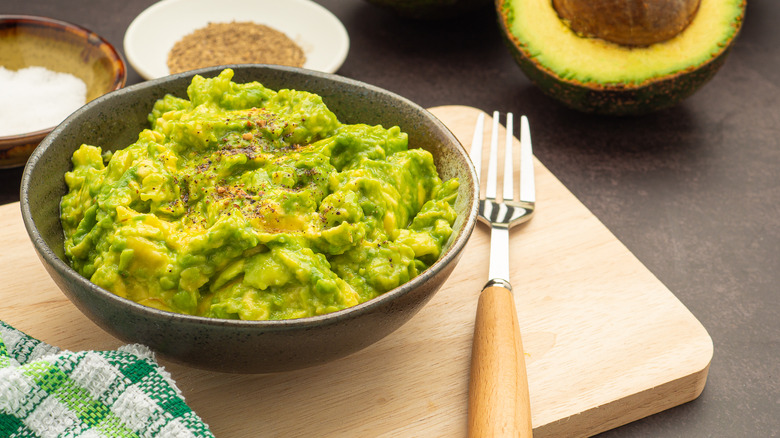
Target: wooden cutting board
[[606, 342]]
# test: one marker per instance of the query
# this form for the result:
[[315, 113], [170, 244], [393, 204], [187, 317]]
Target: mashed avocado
[[243, 202]]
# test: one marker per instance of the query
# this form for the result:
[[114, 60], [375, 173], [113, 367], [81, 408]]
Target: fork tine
[[476, 145], [492, 173], [508, 191], [527, 188]]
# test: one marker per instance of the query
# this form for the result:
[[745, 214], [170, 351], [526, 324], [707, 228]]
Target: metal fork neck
[[497, 282], [499, 253]]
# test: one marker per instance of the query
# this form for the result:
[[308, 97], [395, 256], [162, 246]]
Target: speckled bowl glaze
[[114, 121], [27, 41]]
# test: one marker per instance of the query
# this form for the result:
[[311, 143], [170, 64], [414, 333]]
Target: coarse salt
[[35, 98]]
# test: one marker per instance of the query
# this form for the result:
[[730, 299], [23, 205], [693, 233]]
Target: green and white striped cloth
[[49, 393]]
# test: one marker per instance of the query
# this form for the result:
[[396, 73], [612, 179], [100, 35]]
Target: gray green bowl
[[114, 120]]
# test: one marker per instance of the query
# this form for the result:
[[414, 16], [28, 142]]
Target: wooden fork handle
[[499, 404]]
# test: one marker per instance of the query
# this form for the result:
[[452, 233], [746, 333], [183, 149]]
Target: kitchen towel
[[51, 393]]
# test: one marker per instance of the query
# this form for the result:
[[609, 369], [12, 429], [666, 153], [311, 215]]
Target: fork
[[499, 403]]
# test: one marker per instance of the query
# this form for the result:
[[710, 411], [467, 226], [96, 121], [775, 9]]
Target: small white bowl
[[154, 32]]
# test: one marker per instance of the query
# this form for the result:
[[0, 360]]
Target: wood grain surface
[[499, 402], [605, 342]]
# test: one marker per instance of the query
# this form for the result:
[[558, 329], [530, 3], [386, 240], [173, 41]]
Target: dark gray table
[[693, 191]]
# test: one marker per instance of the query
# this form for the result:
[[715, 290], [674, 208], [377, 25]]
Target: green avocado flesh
[[242, 202], [575, 68]]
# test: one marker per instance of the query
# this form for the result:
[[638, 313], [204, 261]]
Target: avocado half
[[593, 75]]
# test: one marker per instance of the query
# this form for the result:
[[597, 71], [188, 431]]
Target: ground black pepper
[[234, 43]]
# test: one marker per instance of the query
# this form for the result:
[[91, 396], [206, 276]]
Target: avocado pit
[[628, 22]]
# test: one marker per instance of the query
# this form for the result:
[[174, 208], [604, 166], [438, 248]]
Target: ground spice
[[234, 43]]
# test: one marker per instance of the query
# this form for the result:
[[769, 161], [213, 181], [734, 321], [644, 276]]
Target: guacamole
[[242, 202]]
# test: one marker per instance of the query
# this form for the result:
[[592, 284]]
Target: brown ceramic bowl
[[27, 41], [114, 121]]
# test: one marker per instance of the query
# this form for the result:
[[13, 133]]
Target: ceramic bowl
[[27, 41], [154, 32], [114, 121]]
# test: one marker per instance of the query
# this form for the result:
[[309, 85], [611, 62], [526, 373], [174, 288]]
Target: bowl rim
[[120, 78], [450, 255]]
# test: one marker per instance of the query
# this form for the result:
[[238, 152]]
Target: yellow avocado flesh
[[551, 43]]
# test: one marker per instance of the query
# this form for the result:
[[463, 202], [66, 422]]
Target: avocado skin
[[431, 9], [616, 99]]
